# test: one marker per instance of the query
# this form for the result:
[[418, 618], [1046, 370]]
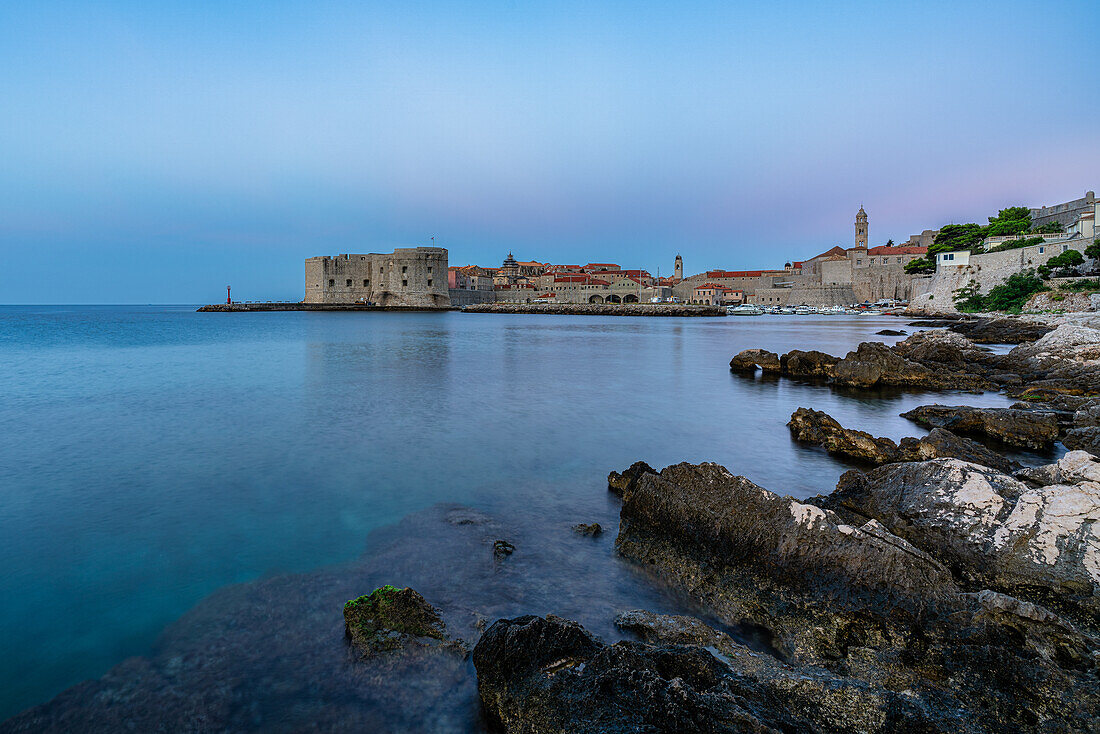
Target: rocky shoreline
[[941, 587]]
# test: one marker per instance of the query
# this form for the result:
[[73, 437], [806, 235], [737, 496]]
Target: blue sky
[[155, 152]]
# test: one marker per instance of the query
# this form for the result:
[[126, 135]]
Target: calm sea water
[[153, 455]]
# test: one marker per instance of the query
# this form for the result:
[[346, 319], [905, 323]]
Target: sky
[[157, 152]]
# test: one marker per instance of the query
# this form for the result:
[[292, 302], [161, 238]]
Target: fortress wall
[[988, 269], [415, 276]]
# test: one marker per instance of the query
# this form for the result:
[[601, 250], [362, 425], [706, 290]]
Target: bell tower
[[861, 228], [679, 269]]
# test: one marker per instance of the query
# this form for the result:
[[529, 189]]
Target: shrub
[[1078, 286], [1008, 296], [1050, 228], [1093, 250], [1067, 259]]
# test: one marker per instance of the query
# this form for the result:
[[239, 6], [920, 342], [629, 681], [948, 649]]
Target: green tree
[[1068, 259], [957, 237], [1049, 228], [1093, 250], [1010, 221], [920, 265], [1014, 292], [969, 298], [889, 243]]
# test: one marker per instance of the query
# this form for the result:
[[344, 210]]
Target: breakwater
[[598, 309], [299, 306]]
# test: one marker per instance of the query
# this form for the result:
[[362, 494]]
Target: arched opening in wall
[[614, 299], [630, 298], [595, 299]]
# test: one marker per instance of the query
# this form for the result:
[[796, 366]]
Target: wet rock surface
[[888, 582], [873, 364], [590, 529], [618, 483], [550, 675], [1030, 429]]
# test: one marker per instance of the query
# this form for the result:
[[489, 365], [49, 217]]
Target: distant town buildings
[[838, 276]]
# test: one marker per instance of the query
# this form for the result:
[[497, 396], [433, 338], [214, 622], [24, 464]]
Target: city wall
[[987, 269]]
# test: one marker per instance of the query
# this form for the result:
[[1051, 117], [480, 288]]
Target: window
[[331, 282], [366, 282], [429, 270], [404, 268], [404, 282], [379, 271], [348, 283], [1042, 250], [860, 262], [429, 281]]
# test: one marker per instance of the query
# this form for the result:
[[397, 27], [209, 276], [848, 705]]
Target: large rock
[[989, 528], [943, 444], [550, 675], [862, 602], [812, 363], [814, 426], [1085, 439], [1067, 343], [874, 364], [750, 359], [1026, 428], [999, 331], [690, 522], [942, 348]]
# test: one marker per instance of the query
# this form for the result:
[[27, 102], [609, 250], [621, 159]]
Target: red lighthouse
[[228, 301]]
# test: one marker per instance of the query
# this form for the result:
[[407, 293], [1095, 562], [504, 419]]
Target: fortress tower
[[861, 228], [678, 272]]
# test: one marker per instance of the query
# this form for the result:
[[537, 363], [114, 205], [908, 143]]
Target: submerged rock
[[550, 675], [750, 359], [889, 332], [390, 618], [502, 549], [590, 529], [1027, 428]]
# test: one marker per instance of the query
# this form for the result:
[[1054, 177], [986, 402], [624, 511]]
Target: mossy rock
[[390, 618]]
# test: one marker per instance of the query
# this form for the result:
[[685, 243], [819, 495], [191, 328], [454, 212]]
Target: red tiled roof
[[838, 250], [898, 250], [597, 281], [602, 265]]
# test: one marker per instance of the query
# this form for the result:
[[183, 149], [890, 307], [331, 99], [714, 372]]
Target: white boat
[[745, 309], [803, 311], [871, 312]]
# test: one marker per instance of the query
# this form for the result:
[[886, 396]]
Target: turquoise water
[[153, 455]]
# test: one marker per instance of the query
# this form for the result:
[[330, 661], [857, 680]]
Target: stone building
[[1066, 213], [861, 228], [413, 277]]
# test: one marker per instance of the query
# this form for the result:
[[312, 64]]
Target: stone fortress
[[414, 277]]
